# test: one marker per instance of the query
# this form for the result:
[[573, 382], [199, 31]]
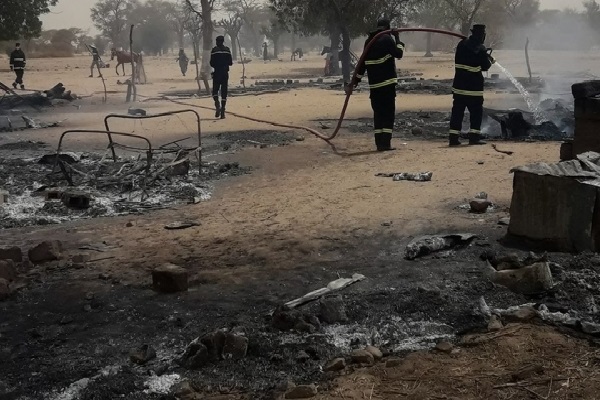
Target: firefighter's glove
[[11, 68]]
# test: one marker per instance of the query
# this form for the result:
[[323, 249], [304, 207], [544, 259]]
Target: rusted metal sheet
[[556, 212]]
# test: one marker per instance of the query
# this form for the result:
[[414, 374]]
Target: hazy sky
[[76, 13]]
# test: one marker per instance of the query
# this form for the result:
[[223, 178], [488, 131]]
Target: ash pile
[[53, 189], [557, 122]]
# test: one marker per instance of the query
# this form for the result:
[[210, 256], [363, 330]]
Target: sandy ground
[[304, 191], [300, 200]]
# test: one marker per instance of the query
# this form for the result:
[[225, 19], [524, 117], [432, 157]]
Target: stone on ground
[[11, 253], [534, 279], [375, 352], [170, 278], [142, 355], [479, 206], [8, 271], [333, 310], [444, 347], [236, 346], [495, 324], [46, 251], [335, 365], [302, 392], [195, 356], [363, 357]]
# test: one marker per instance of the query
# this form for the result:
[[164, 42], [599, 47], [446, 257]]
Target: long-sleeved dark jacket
[[380, 61], [470, 62], [17, 59], [221, 60]]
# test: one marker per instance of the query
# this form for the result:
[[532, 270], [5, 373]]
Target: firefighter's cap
[[384, 23], [478, 28]]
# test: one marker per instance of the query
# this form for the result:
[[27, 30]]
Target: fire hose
[[348, 93]]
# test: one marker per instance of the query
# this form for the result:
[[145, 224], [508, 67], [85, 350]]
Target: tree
[[431, 14], [204, 14], [232, 26], [253, 16], [154, 30], [465, 12], [273, 32], [20, 18], [338, 19], [592, 13], [110, 17]]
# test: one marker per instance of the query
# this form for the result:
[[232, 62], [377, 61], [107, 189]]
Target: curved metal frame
[[111, 143], [159, 115]]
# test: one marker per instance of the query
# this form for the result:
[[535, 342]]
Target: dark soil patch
[[68, 325]]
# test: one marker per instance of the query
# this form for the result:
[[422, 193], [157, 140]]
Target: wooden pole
[[133, 88], [195, 43], [243, 62], [527, 59]]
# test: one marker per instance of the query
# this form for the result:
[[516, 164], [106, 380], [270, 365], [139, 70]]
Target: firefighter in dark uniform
[[220, 60], [472, 59], [17, 64], [380, 65]]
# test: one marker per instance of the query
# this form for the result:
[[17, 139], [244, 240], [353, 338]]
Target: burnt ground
[[69, 324], [26, 179], [68, 333]]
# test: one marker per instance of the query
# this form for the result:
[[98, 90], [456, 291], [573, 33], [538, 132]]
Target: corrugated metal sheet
[[586, 168]]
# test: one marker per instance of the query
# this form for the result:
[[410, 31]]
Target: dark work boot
[[454, 140], [223, 104], [475, 139], [385, 143], [15, 85], [378, 141], [217, 107], [22, 87]]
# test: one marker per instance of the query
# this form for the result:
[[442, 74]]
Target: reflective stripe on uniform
[[378, 131], [221, 52], [19, 59], [454, 132], [476, 131], [473, 93], [387, 131], [468, 68], [379, 61], [392, 81]]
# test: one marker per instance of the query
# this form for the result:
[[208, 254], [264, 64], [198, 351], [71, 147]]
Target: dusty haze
[[76, 13]]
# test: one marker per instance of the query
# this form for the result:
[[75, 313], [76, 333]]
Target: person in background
[[183, 60], [95, 60], [265, 52], [220, 60], [380, 65], [17, 64], [471, 61]]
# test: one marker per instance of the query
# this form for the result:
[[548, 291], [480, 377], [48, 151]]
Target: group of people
[[382, 48], [472, 58]]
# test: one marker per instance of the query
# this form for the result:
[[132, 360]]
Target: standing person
[[265, 52], [220, 60], [380, 64], [95, 61], [183, 61], [17, 64], [472, 59]]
